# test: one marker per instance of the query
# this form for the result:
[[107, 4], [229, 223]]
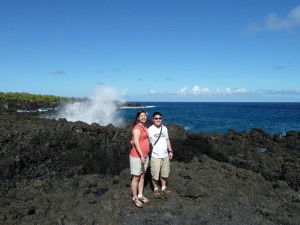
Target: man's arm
[[170, 151]]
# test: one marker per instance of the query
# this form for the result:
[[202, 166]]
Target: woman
[[139, 160]]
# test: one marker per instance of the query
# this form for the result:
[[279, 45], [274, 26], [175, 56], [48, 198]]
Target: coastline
[[56, 172]]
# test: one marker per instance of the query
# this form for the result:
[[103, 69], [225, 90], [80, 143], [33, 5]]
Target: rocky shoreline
[[60, 172]]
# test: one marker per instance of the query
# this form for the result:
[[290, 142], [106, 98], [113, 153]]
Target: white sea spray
[[99, 108]]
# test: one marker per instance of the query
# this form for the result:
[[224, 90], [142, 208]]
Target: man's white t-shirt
[[160, 149]]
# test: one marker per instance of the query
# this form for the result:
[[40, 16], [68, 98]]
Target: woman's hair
[[137, 117]]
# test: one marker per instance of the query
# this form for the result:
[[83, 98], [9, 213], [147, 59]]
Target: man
[[161, 154]]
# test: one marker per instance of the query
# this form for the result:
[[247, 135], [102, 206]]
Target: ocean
[[274, 118]]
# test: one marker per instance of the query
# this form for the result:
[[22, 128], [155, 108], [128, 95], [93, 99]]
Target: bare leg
[[163, 181], [155, 183], [141, 184], [134, 185], [157, 193]]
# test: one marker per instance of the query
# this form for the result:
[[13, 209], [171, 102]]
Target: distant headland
[[26, 102]]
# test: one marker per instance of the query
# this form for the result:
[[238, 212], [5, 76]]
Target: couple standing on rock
[[158, 136]]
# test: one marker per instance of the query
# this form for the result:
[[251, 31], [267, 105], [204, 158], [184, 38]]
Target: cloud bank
[[196, 90], [196, 93]]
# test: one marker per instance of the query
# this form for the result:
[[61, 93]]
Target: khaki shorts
[[136, 167], [160, 167]]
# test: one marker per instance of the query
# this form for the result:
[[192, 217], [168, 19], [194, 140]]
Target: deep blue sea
[[274, 118]]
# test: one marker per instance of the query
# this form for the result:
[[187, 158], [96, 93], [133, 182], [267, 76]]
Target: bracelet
[[170, 151]]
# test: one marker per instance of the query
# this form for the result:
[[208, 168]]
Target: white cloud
[[290, 92], [273, 22], [196, 90], [225, 94], [152, 92], [183, 91], [240, 90], [223, 91], [228, 91]]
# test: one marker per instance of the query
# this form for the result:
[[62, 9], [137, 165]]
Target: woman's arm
[[136, 140]]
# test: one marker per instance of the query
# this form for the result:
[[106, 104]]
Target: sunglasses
[[157, 118]]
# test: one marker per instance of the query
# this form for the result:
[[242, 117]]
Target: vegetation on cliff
[[23, 100]]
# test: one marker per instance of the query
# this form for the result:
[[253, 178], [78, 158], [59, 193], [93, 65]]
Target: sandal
[[166, 191], [137, 202], [157, 193], [144, 200]]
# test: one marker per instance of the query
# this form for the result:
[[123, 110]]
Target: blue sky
[[167, 50]]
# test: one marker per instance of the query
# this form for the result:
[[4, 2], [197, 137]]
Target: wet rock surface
[[60, 172]]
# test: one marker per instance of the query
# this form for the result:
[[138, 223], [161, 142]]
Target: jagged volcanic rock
[[60, 172]]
